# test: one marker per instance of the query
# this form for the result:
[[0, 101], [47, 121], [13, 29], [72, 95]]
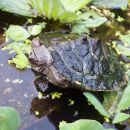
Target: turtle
[[77, 61]]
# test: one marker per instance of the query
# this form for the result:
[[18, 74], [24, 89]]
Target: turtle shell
[[75, 61]]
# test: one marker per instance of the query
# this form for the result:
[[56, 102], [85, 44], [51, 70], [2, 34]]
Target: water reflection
[[60, 109]]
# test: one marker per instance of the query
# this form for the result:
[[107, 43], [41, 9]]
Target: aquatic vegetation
[[9, 118], [82, 124]]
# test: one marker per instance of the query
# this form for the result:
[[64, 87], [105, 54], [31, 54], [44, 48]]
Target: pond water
[[24, 97]]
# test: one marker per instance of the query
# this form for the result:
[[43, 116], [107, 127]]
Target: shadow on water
[[61, 110], [24, 97]]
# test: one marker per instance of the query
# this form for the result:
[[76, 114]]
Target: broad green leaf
[[67, 17], [112, 4], [9, 119], [15, 46], [17, 33], [83, 124], [96, 103], [20, 7], [74, 5], [87, 20], [48, 8], [90, 19], [36, 29], [20, 60], [79, 28], [119, 117], [19, 47], [125, 100]]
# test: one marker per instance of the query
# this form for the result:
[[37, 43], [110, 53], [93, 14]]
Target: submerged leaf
[[111, 101], [96, 103], [9, 118], [17, 33], [119, 117]]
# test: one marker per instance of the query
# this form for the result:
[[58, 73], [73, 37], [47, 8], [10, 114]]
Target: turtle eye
[[33, 62]]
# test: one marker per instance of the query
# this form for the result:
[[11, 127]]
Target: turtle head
[[40, 58]]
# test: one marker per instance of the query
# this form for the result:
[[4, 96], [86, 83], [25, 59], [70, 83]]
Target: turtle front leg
[[41, 83]]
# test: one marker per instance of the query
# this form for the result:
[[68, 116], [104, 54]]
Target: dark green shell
[[83, 63]]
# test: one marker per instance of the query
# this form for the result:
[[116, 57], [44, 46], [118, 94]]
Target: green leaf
[[125, 100], [82, 124], [20, 49], [79, 28], [20, 7], [96, 103], [91, 19], [88, 20], [9, 119], [48, 8], [119, 117], [74, 5], [112, 4], [17, 33], [20, 60], [67, 17], [123, 46], [109, 99], [36, 29]]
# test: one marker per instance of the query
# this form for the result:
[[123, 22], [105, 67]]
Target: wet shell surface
[[79, 62]]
